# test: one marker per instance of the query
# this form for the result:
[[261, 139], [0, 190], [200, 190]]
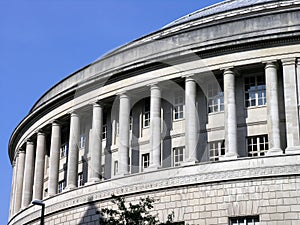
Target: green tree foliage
[[132, 214]]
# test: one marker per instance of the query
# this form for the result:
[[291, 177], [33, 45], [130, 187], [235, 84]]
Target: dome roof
[[218, 8]]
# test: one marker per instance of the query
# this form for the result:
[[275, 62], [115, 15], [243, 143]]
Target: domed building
[[202, 115]]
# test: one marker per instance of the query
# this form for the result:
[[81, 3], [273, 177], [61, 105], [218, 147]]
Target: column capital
[[29, 141], [288, 61], [191, 75], [21, 150], [74, 113], [228, 70], [97, 103], [56, 123], [270, 64], [154, 86]]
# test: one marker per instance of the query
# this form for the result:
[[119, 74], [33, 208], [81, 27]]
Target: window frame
[[175, 156], [64, 150], [256, 140], [61, 186], [116, 167], [244, 220], [145, 156], [215, 96], [80, 180], [257, 89], [218, 147], [178, 106], [146, 113]]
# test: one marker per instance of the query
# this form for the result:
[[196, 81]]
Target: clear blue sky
[[41, 42]]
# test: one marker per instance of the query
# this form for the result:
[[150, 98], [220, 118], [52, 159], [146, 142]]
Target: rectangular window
[[255, 91], [80, 180], [116, 167], [61, 186], [216, 149], [64, 150], [82, 141], [257, 145], [178, 156], [215, 96], [145, 161], [130, 122], [178, 106], [248, 220], [104, 132], [146, 116]]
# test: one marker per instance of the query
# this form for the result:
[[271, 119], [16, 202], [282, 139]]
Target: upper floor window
[[257, 145], [64, 150], [80, 180], [104, 131], [178, 106], [247, 220], [215, 96], [178, 156], [130, 122], [216, 149], [146, 116], [255, 91], [82, 141], [145, 161]]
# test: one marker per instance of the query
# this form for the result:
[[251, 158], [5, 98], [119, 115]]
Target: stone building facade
[[202, 115]]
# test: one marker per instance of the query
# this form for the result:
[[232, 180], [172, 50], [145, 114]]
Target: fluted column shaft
[[28, 175], [95, 150], [155, 126], [39, 166], [230, 115], [124, 114], [191, 120], [20, 178], [54, 158], [291, 105], [273, 109], [72, 170], [12, 193]]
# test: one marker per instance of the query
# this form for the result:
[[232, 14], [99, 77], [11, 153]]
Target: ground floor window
[[257, 145], [248, 220], [178, 156], [61, 186], [80, 180], [145, 161], [216, 149], [116, 167]]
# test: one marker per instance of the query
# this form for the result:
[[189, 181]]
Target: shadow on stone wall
[[91, 215]]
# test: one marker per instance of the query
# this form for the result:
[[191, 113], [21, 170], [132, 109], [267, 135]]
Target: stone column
[[54, 158], [13, 186], [124, 114], [230, 115], [19, 180], [95, 147], [28, 174], [39, 166], [72, 169], [155, 126], [291, 105], [273, 109], [191, 120]]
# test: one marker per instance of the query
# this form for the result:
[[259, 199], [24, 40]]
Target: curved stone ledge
[[225, 171]]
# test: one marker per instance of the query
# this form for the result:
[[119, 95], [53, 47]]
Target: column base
[[228, 156], [274, 151], [70, 187], [92, 181], [292, 150], [152, 168], [189, 163]]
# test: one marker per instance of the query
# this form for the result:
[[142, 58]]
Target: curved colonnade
[[206, 102]]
